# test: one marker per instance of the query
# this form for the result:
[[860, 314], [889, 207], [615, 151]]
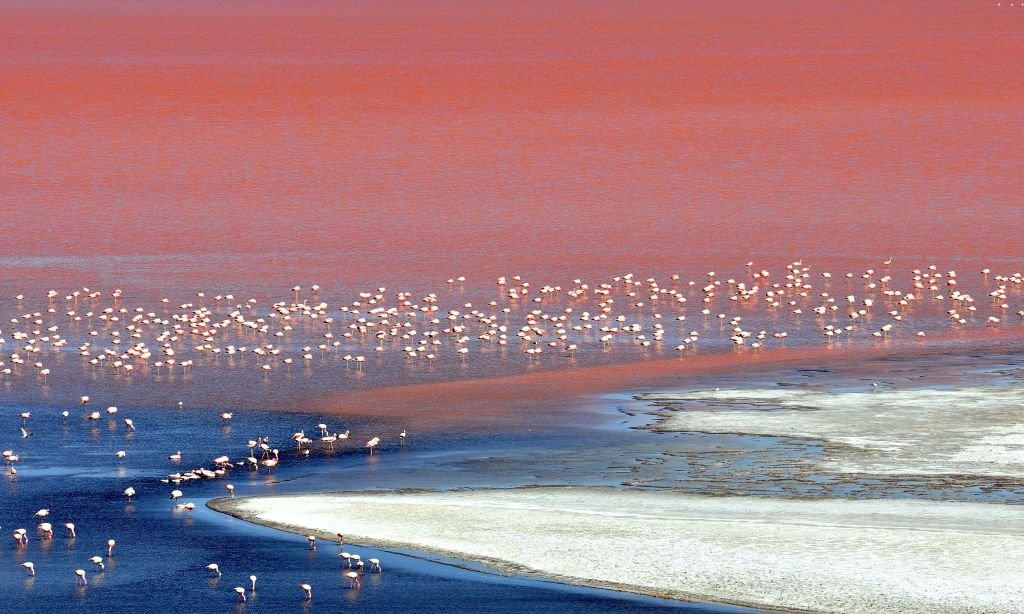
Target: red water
[[373, 141], [175, 146]]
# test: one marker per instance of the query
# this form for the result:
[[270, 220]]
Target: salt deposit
[[966, 431], [826, 555]]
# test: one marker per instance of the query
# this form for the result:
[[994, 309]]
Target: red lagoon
[[364, 140], [169, 147]]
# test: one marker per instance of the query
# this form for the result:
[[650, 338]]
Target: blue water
[[68, 465]]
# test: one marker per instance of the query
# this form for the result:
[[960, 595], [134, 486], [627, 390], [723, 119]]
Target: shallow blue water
[[68, 465]]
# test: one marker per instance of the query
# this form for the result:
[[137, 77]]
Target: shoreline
[[770, 553]]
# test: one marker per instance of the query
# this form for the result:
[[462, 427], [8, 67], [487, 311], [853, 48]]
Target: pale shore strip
[[821, 555]]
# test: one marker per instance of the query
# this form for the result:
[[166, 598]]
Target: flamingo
[[97, 561], [353, 579], [175, 494], [175, 457], [231, 489], [80, 577], [240, 592], [20, 536], [375, 565], [129, 492], [308, 589], [215, 568], [71, 529], [30, 566], [373, 443], [312, 541], [252, 580], [110, 547], [130, 424]]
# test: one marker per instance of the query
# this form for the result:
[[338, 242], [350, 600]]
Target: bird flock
[[259, 455], [46, 531], [111, 334], [351, 561]]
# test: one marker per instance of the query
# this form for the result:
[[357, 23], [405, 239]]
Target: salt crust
[[824, 555], [967, 431]]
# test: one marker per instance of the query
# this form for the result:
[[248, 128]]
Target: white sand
[[828, 555], [972, 431]]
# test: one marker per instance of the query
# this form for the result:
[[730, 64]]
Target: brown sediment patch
[[538, 398]]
